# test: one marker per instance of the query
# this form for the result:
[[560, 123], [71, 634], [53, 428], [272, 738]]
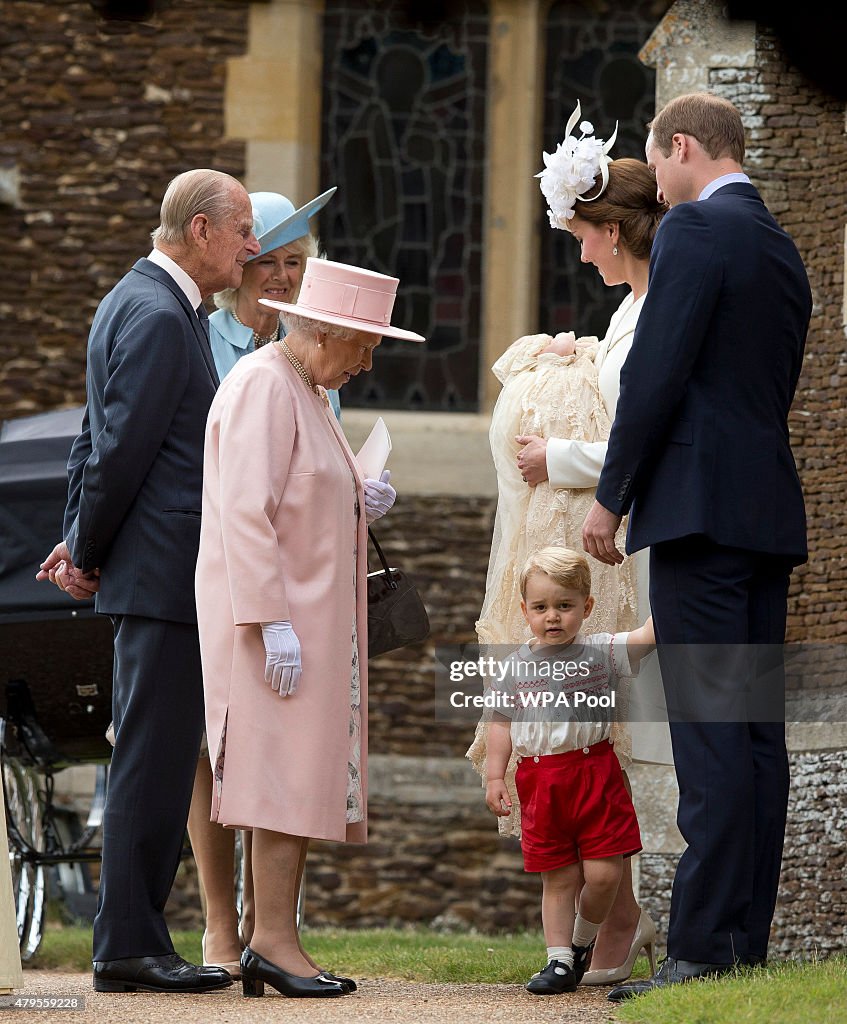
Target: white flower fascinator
[[571, 171]]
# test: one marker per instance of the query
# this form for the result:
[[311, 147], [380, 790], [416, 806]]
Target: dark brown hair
[[629, 201]]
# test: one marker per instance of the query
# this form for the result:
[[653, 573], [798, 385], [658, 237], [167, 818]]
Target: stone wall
[[797, 156], [95, 118], [443, 543], [811, 912]]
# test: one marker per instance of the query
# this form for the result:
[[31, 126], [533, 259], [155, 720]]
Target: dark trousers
[[719, 615], [157, 704]]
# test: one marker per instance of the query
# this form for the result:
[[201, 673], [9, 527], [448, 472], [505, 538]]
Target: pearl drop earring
[[615, 251]]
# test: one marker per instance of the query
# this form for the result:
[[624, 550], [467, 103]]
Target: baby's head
[[556, 593]]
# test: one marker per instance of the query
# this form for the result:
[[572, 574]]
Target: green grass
[[784, 993], [405, 954]]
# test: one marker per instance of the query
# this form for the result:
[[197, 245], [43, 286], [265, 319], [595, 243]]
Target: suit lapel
[[149, 269]]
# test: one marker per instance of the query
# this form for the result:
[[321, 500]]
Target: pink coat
[[277, 542]]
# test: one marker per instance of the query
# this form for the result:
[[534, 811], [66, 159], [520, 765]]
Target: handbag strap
[[388, 576]]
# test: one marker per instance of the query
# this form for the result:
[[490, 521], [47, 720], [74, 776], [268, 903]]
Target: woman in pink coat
[[282, 608]]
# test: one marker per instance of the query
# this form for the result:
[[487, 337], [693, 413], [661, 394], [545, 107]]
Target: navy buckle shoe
[[552, 980], [581, 955]]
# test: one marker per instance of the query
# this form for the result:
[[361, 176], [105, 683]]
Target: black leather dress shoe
[[256, 971], [168, 973], [552, 980], [671, 972], [752, 960]]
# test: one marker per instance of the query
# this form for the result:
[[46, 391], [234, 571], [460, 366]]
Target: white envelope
[[374, 453]]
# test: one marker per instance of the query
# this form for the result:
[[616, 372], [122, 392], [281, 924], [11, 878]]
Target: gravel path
[[396, 1002]]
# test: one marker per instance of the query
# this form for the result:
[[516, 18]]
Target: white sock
[[584, 932], [564, 954]]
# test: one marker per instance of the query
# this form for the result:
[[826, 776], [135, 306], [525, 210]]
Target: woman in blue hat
[[239, 326]]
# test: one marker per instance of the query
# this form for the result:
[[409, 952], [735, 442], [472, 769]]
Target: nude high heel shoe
[[233, 967], [644, 938]]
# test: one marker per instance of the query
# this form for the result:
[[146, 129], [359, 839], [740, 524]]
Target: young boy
[[576, 812]]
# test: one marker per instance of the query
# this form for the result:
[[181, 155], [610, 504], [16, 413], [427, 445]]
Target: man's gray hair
[[199, 191]]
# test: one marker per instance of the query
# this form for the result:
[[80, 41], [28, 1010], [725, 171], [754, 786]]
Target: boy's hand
[[497, 798], [641, 642]]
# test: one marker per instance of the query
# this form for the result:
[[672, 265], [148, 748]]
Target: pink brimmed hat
[[348, 296]]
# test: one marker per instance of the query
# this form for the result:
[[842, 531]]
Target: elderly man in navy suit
[[699, 455], [132, 531]]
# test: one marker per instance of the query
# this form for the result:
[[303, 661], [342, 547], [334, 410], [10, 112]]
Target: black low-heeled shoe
[[256, 971], [346, 983]]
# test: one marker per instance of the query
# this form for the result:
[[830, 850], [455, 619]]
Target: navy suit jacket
[[700, 443], [135, 471]]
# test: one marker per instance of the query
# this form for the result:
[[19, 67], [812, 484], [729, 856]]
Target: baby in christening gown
[[550, 389]]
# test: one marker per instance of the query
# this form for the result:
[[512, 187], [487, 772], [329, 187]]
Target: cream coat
[[276, 543]]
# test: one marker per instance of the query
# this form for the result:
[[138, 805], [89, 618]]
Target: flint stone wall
[[95, 119]]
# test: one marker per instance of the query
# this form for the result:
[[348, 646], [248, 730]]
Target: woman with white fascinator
[[282, 604], [549, 436], [239, 326]]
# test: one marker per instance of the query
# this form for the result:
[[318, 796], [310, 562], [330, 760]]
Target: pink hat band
[[348, 296], [349, 300]]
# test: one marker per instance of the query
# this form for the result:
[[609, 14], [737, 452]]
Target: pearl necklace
[[258, 339], [298, 366]]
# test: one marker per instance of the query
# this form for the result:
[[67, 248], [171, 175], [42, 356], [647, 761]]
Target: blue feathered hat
[[276, 222]]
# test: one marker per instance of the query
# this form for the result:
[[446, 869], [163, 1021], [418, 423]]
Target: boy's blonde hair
[[569, 568]]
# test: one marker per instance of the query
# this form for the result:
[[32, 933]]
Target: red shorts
[[574, 806]]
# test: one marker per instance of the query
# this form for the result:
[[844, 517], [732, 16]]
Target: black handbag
[[396, 614]]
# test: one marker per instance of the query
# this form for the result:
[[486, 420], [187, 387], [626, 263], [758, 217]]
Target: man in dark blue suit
[[132, 531], [700, 457]]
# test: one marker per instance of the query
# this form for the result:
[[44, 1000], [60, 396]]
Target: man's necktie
[[203, 317]]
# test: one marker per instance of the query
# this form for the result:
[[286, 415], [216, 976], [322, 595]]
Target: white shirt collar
[[724, 179], [185, 283]]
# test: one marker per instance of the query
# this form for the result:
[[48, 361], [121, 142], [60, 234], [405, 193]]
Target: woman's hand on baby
[[564, 344], [497, 798], [532, 458]]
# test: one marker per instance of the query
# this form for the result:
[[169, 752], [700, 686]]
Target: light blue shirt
[[231, 340], [724, 179]]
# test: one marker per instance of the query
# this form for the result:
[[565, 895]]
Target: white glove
[[282, 657], [379, 496]]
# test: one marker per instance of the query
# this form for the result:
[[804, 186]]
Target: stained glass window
[[592, 56], [403, 138]]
